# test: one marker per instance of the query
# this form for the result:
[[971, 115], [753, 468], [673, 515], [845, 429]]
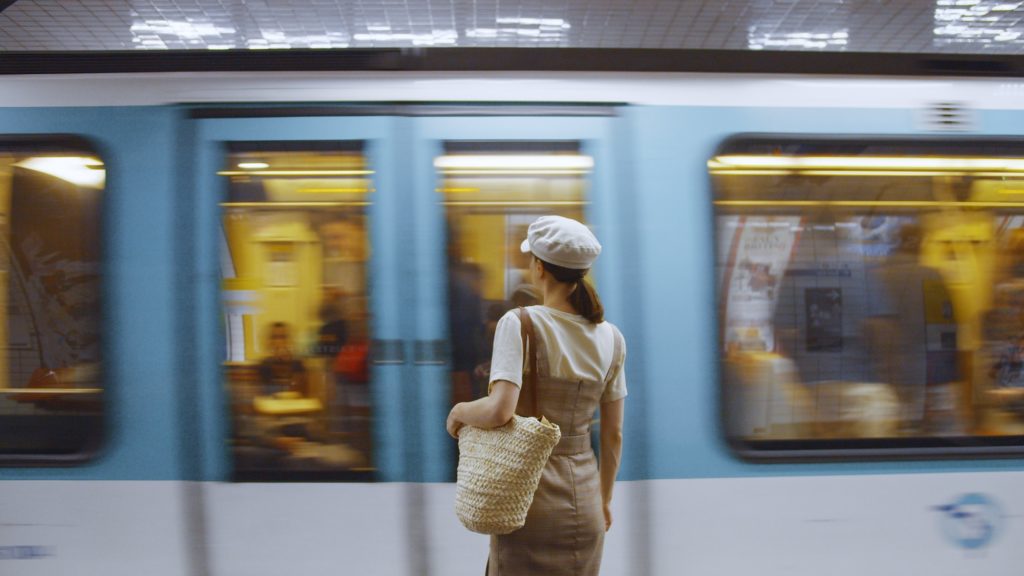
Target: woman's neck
[[555, 295]]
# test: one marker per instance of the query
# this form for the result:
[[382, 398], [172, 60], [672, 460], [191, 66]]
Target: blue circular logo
[[971, 521]]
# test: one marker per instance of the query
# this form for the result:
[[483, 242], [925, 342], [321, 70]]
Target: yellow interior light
[[917, 173], [253, 165], [357, 190], [517, 203], [736, 172], [274, 205], [79, 170], [295, 173], [869, 203], [898, 163]]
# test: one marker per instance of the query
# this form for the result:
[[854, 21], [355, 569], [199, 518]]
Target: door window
[[294, 259]]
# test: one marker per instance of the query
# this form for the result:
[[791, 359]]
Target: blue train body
[[651, 200]]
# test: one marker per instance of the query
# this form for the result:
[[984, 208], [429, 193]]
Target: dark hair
[[584, 298]]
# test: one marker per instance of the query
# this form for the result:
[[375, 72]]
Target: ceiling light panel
[[985, 24], [799, 26], [961, 26]]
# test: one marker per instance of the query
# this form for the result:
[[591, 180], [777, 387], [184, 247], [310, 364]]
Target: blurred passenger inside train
[[1004, 342], [525, 295], [282, 371], [899, 327], [466, 322], [333, 333], [518, 282]]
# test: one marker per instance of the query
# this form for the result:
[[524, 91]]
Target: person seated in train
[[282, 371]]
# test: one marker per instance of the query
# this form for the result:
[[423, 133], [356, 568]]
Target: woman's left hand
[[454, 424]]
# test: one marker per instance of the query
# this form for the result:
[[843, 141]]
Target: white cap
[[563, 242]]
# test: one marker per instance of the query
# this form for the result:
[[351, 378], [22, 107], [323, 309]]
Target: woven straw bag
[[499, 469]]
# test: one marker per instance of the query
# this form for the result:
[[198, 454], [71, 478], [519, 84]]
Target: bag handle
[[529, 339]]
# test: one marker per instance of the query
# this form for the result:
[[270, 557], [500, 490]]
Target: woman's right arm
[[611, 452]]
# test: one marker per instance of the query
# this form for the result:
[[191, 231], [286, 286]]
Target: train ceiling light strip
[[78, 170], [455, 173], [272, 205], [517, 162], [358, 190], [518, 203], [763, 162], [868, 203], [294, 172], [852, 173]]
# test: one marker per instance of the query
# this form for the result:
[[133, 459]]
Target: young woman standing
[[579, 368]]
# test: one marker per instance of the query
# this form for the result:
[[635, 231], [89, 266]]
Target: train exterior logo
[[972, 521]]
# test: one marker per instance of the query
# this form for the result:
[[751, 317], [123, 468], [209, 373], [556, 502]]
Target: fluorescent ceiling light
[[543, 22], [78, 170], [976, 21], [431, 39], [181, 29], [524, 162], [757, 40], [253, 165]]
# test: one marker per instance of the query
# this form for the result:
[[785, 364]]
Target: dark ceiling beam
[[515, 59], [5, 4]]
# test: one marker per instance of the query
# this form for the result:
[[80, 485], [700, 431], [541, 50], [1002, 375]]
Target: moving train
[[239, 307]]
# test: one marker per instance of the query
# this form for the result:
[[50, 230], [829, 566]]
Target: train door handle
[[430, 352], [388, 352]]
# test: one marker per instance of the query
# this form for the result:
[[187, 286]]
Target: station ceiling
[[854, 26]]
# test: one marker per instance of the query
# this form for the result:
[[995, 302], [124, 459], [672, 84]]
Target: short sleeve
[[616, 389], [507, 358]]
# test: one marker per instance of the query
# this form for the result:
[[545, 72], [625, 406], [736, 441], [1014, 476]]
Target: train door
[[347, 272], [481, 180], [299, 361]]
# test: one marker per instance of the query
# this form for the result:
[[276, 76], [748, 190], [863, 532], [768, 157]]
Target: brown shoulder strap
[[529, 356]]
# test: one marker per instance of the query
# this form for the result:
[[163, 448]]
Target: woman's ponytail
[[586, 302], [584, 298]]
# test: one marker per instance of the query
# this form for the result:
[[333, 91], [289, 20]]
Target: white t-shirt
[[577, 349]]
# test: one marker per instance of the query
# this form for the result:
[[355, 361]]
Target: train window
[[492, 191], [51, 391], [871, 295], [294, 258]]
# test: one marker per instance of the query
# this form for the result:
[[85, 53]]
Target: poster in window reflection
[[824, 317]]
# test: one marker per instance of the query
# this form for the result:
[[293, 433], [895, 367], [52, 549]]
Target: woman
[[580, 367]]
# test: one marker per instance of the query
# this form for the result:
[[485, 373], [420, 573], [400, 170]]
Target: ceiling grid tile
[[830, 25]]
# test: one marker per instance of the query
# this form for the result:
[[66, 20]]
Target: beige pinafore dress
[[564, 531]]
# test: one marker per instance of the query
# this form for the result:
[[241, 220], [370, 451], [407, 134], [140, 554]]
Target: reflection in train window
[[294, 258], [51, 401], [492, 191], [871, 294]]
